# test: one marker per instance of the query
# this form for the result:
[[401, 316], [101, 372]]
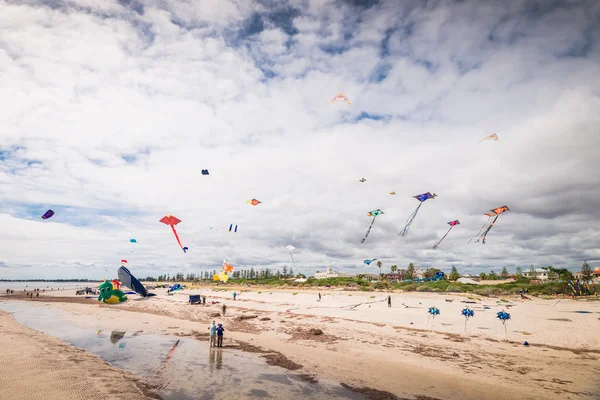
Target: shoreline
[[35, 365], [363, 347]]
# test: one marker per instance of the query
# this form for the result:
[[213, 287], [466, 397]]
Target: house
[[331, 274], [419, 273], [394, 277], [538, 274]]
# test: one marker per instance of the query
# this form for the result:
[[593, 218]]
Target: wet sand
[[35, 366], [372, 348]]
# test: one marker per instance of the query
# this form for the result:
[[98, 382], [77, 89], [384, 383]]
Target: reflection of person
[[213, 334], [220, 331], [319, 296], [219, 359], [224, 309]]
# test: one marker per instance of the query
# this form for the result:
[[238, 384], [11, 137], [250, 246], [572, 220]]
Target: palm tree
[[379, 265], [393, 268]]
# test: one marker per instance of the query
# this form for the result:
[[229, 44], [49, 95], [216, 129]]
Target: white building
[[540, 274], [331, 274]]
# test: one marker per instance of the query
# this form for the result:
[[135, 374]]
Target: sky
[[110, 110]]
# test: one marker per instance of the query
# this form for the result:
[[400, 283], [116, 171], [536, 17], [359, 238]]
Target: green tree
[[518, 273], [430, 273], [492, 276], [394, 268], [403, 274], [411, 271], [532, 274], [504, 273], [454, 275], [284, 271], [379, 264], [483, 276], [291, 271], [586, 272]]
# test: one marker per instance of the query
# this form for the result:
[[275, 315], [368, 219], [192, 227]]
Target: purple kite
[[451, 223], [48, 214], [421, 198]]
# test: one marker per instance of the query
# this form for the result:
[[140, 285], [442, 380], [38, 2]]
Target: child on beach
[[220, 331], [213, 333]]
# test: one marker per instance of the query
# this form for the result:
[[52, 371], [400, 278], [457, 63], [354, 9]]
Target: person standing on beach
[[389, 301], [224, 309], [319, 296], [213, 334], [234, 294], [220, 331]]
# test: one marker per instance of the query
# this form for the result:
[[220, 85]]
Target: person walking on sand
[[213, 334], [224, 309], [389, 301], [234, 295], [319, 296], [220, 331]]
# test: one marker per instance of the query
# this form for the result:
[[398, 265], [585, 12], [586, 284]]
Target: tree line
[[252, 274]]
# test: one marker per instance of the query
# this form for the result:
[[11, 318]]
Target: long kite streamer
[[452, 224], [497, 212], [493, 136], [290, 248], [373, 214], [421, 198], [490, 216], [172, 221]]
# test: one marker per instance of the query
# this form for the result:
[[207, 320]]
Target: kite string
[[292, 259]]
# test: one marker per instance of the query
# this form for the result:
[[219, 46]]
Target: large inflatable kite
[[373, 214], [422, 197], [127, 279], [109, 294], [172, 221], [452, 224], [223, 275]]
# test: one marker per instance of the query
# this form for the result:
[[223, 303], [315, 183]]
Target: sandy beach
[[366, 344], [35, 366]]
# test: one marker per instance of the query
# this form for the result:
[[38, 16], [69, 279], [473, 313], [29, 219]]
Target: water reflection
[[183, 369]]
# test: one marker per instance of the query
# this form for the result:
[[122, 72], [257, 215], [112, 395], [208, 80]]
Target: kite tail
[[409, 221], [368, 230], [440, 241], [488, 229], [293, 259], [480, 230], [176, 236]]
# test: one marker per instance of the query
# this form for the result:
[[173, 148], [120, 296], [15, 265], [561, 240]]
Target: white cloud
[[109, 115]]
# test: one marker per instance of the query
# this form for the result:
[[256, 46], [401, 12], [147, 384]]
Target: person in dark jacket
[[220, 331]]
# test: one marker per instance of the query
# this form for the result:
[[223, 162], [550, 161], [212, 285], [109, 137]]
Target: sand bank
[[396, 349], [35, 366]]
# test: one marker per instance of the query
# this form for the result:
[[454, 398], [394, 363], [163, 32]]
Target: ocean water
[[19, 286]]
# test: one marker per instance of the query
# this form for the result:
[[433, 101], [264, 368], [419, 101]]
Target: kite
[[490, 216], [172, 221], [116, 284], [421, 198], [497, 212], [368, 262], [123, 262], [221, 276], [392, 193], [362, 180], [254, 202], [205, 172], [131, 282], [373, 214], [493, 136], [109, 294], [290, 248], [230, 227], [339, 98], [48, 214], [132, 241], [452, 224], [226, 267]]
